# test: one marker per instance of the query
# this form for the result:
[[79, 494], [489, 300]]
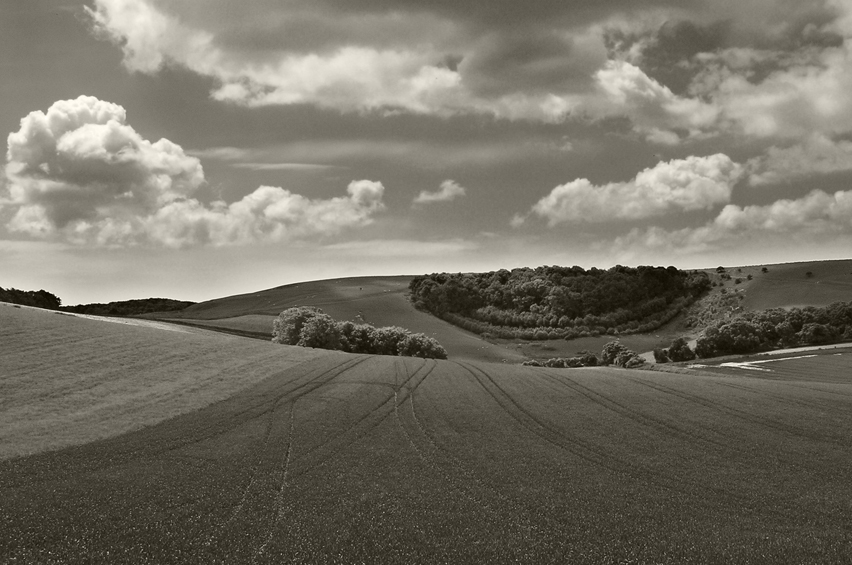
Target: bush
[[420, 345], [634, 362], [627, 358], [311, 327], [287, 327], [661, 355], [320, 331], [587, 358], [679, 351], [610, 351]]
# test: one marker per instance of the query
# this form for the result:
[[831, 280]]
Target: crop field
[[350, 459], [67, 379], [827, 365]]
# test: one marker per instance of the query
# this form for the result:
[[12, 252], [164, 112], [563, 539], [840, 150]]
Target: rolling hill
[[382, 301], [219, 449]]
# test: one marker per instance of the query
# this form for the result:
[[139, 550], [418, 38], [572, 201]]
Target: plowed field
[[360, 459]]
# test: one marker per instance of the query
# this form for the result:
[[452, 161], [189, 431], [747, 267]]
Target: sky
[[193, 149]]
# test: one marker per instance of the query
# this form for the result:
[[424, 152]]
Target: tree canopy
[[552, 302]]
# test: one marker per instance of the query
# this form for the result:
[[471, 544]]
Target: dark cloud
[[674, 44], [507, 63]]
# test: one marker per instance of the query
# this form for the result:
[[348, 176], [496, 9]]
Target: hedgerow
[[308, 326]]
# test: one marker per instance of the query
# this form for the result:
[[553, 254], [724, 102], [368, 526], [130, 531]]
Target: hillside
[[788, 285], [383, 301], [70, 379], [380, 301], [255, 452]]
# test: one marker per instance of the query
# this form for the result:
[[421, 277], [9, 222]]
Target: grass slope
[[69, 379], [346, 459], [787, 285], [380, 301]]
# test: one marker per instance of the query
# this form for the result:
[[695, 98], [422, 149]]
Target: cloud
[[450, 190], [354, 76], [678, 71], [269, 214], [404, 248], [79, 172], [817, 155], [806, 220], [80, 160], [693, 183]]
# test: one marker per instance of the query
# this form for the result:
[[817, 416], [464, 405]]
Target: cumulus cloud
[[351, 76], [80, 172], [678, 71], [450, 190], [817, 155], [810, 218], [653, 108], [269, 214], [693, 183]]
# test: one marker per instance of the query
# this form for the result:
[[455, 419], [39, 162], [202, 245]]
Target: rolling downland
[[221, 449]]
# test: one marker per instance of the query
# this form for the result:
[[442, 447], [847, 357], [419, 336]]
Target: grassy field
[[320, 457], [786, 286], [380, 301]]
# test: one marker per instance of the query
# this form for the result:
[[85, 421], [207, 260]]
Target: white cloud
[[450, 190], [653, 108], [80, 161], [693, 183], [817, 218], [79, 172], [816, 155], [426, 61], [269, 214], [347, 77]]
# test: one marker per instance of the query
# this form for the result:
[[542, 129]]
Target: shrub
[[420, 345], [661, 355], [634, 362], [587, 358], [627, 358], [610, 351], [311, 327], [320, 331], [287, 327], [679, 351]]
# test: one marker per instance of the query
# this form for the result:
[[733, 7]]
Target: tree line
[[49, 301], [764, 330], [36, 298], [129, 307], [309, 326], [551, 302]]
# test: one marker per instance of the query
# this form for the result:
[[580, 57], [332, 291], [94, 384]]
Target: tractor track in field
[[636, 416], [599, 457], [743, 415], [150, 443], [272, 432], [781, 398], [369, 421], [430, 453]]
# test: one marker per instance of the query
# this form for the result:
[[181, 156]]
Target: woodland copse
[[553, 302], [777, 327]]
